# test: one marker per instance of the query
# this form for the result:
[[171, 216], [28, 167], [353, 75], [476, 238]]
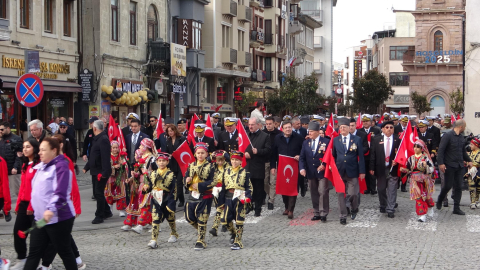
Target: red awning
[[48, 85]]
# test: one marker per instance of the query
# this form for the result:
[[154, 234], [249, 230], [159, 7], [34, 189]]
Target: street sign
[[29, 90]]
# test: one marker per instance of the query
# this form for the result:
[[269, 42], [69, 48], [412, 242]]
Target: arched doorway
[[438, 105]]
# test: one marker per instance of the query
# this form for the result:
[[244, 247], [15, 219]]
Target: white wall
[[325, 54]]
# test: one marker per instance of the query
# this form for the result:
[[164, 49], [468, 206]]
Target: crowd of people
[[144, 176]]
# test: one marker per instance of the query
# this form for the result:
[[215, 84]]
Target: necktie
[[387, 151], [314, 144], [231, 135], [423, 134], [199, 140], [345, 143], [134, 139]]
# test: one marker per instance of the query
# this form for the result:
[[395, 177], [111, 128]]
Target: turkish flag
[[330, 132], [159, 127], [191, 129], [209, 129], [112, 129], [287, 176], [362, 184], [243, 141], [406, 146], [381, 119], [183, 155], [359, 121], [331, 170], [453, 118], [459, 117], [120, 139]]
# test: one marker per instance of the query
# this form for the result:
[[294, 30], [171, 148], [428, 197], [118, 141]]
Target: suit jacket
[[281, 147], [99, 160], [256, 164], [310, 161], [161, 142], [303, 132], [377, 156], [374, 131], [428, 140], [398, 129], [219, 125], [366, 147], [351, 163], [169, 148], [227, 144], [128, 144], [436, 137], [207, 140], [126, 130]]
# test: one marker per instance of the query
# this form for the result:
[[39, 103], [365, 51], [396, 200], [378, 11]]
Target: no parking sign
[[29, 90]]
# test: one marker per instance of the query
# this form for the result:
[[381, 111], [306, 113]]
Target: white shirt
[[233, 133], [348, 140], [385, 139], [54, 127], [200, 139], [367, 130], [315, 143]]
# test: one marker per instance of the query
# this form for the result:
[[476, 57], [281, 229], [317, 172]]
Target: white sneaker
[[172, 239], [122, 213], [126, 228], [422, 218], [151, 230], [81, 266], [111, 208], [473, 206], [430, 212], [152, 244], [477, 204], [5, 264], [19, 265], [138, 229]]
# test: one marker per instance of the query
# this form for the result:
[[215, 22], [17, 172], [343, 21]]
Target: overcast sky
[[354, 20]]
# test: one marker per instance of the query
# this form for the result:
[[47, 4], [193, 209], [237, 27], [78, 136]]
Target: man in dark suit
[[200, 132], [132, 141], [348, 154], [99, 163], [383, 150], [126, 130], [288, 144], [366, 148], [435, 131], [228, 139], [297, 127], [152, 126], [312, 167], [182, 127], [404, 119], [216, 122], [270, 179], [373, 131], [257, 154], [427, 138]]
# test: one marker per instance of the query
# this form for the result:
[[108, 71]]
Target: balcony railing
[[318, 67], [229, 56], [229, 8], [259, 75], [244, 13], [316, 14], [318, 42], [4, 32], [248, 59], [295, 27], [256, 3]]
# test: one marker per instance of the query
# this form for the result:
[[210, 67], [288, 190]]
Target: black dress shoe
[[264, 202], [213, 232], [323, 219], [8, 217], [257, 213], [93, 198], [316, 218], [404, 189], [391, 215], [224, 228], [354, 214], [445, 204], [457, 211], [109, 215], [180, 204], [343, 221], [439, 205], [303, 192], [348, 211], [366, 192], [97, 220], [382, 210], [396, 205], [374, 192], [270, 206]]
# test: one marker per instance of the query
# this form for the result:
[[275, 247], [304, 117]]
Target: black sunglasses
[[152, 121], [63, 127], [388, 127]]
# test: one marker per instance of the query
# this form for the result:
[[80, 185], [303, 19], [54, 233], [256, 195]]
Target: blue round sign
[[29, 90]]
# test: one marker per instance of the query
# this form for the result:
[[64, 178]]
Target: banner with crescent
[[183, 155], [287, 176]]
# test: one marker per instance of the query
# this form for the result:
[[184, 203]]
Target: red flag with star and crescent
[[405, 149], [359, 121], [191, 129], [331, 170], [159, 127], [112, 129], [243, 141], [121, 140], [287, 176], [209, 129], [183, 155]]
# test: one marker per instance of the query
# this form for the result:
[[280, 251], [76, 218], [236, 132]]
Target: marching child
[[115, 189], [220, 166], [473, 177]]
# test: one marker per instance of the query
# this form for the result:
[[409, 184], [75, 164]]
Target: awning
[[48, 85], [397, 105]]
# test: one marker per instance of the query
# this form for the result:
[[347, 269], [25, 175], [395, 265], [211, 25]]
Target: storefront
[[225, 110]]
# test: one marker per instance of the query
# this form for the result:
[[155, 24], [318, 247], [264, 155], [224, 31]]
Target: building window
[[225, 36], [49, 16], [133, 23], [25, 13], [399, 79], [197, 35], [241, 40], [397, 52], [3, 9], [152, 23], [268, 69], [309, 38], [67, 18], [301, 38], [438, 41], [114, 6]]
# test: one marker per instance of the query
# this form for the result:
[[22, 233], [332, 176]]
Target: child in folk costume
[[419, 169], [220, 166], [199, 181], [162, 186], [115, 189], [473, 175], [237, 192], [139, 208]]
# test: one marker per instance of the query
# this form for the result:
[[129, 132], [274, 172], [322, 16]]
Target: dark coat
[[99, 161], [281, 147], [219, 125], [436, 136], [310, 161], [87, 143], [377, 156], [272, 135], [398, 129], [128, 143], [9, 146], [256, 164], [149, 131], [303, 132], [366, 147], [428, 140], [351, 163], [73, 144], [161, 142], [207, 140], [227, 144], [374, 131], [126, 130], [169, 148]]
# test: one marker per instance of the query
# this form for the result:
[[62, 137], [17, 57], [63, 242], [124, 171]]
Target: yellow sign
[[93, 110], [47, 70], [178, 59]]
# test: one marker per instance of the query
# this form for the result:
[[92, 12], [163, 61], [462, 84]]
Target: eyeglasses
[[152, 121], [63, 127], [389, 127], [1, 129]]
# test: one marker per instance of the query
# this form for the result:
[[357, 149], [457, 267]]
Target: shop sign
[[127, 85], [178, 68], [47, 70], [221, 95], [185, 32], [106, 107], [93, 110], [239, 90], [207, 107], [438, 56], [57, 102], [85, 79], [194, 109], [401, 98], [357, 69]]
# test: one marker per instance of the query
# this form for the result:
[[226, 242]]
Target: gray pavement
[[271, 241]]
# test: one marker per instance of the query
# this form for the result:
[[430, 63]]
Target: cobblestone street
[[271, 241]]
